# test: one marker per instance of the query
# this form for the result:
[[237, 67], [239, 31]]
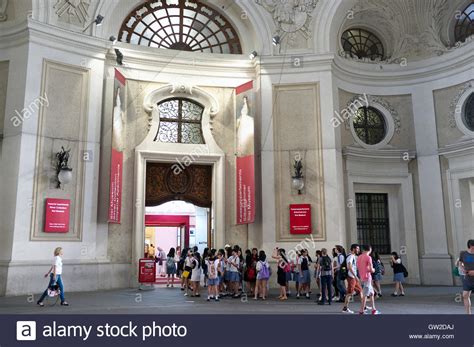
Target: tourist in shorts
[[353, 283], [365, 269], [466, 258], [212, 263]]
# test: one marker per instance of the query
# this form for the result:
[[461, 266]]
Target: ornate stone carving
[[178, 181], [73, 11], [290, 16], [3, 10], [412, 27], [454, 103]]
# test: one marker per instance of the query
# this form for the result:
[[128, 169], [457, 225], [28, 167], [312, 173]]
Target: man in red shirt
[[365, 269]]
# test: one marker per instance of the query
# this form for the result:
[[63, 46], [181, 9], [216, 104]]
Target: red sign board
[[57, 216], [146, 270], [300, 219]]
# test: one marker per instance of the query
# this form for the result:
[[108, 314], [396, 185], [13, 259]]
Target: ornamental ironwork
[[464, 27], [181, 25], [361, 43], [369, 125], [180, 121]]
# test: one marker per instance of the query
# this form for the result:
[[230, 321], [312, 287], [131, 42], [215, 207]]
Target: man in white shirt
[[353, 282]]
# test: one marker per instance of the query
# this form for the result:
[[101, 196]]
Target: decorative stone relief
[[414, 27], [291, 16], [73, 11], [454, 105], [3, 10], [374, 101]]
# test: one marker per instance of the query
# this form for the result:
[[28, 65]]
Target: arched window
[[369, 125], [180, 122], [181, 25], [465, 24], [468, 114], [361, 43]]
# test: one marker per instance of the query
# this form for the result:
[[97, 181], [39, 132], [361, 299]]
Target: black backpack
[[326, 263], [343, 269]]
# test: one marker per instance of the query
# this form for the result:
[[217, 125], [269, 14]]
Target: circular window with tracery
[[361, 43], [468, 114], [369, 125], [181, 25], [464, 24]]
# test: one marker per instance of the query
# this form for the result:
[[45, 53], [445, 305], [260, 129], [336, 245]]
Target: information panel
[[57, 216], [300, 219]]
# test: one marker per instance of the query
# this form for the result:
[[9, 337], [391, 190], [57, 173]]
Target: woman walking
[[378, 274], [55, 276], [398, 274]]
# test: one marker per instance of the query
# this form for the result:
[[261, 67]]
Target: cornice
[[458, 149], [181, 62], [460, 60], [66, 40], [386, 154]]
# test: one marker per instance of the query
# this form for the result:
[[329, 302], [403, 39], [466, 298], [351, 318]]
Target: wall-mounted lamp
[[297, 181], [253, 55], [276, 40], [113, 39], [63, 171], [119, 56], [97, 21]]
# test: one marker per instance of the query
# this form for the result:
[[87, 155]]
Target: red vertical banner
[[116, 158], [245, 149]]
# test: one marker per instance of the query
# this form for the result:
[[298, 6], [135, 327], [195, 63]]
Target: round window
[[468, 114], [369, 125]]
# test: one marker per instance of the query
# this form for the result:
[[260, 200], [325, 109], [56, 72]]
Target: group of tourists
[[229, 272]]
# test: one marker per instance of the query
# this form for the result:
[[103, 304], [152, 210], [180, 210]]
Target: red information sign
[[300, 219], [57, 216], [146, 270]]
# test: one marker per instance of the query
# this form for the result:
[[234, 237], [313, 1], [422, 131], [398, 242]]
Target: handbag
[[186, 274]]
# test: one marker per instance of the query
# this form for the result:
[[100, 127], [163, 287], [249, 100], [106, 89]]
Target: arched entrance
[[179, 171]]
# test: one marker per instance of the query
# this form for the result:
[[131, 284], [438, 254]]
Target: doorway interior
[[176, 224]]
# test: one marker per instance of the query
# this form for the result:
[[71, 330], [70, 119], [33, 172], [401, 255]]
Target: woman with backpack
[[340, 272], [399, 272], [196, 274], [213, 278], [283, 268], [250, 273], [378, 274], [263, 274], [170, 266], [325, 269]]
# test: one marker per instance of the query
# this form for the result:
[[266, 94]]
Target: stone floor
[[162, 300]]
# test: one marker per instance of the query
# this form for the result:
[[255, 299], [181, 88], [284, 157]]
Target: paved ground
[[162, 300]]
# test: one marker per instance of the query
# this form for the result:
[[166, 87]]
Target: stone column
[[435, 262]]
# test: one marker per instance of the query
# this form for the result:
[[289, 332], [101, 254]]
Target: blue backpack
[[264, 272]]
